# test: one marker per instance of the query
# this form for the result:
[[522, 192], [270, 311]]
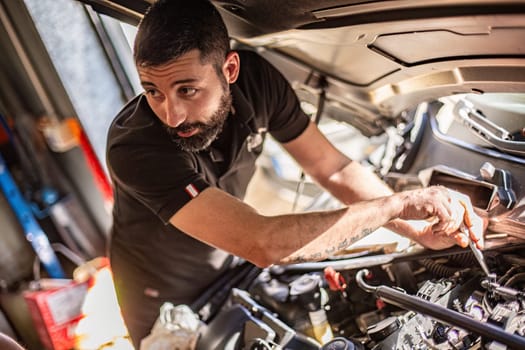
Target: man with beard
[[181, 155]]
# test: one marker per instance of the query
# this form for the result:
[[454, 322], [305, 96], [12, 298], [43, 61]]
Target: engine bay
[[377, 297], [440, 300]]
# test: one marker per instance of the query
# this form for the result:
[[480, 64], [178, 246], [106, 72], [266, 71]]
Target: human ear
[[231, 67]]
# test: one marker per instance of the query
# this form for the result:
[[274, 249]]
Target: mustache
[[185, 127], [207, 131]]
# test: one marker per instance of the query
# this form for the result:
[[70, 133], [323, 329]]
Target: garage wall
[[55, 62], [74, 45], [81, 64]]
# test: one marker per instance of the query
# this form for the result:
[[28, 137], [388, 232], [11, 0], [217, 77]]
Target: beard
[[208, 131]]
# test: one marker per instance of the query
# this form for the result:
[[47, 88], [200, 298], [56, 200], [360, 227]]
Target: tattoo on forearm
[[317, 256], [343, 244], [297, 259], [364, 233], [330, 250], [367, 231]]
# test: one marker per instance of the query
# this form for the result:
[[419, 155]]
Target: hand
[[429, 239], [447, 211], [464, 224], [432, 204]]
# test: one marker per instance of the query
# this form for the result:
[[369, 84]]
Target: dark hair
[[171, 28]]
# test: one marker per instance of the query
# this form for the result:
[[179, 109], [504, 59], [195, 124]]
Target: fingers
[[440, 200], [461, 239], [448, 211], [468, 212], [464, 223], [427, 238], [450, 214]]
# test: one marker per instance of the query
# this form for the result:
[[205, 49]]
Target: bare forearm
[[225, 222], [354, 183], [316, 236], [345, 179]]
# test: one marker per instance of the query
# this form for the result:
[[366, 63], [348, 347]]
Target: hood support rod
[[440, 313]]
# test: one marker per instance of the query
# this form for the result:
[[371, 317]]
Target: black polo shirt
[[153, 261]]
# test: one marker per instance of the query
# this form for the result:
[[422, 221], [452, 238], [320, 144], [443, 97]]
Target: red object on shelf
[[56, 312]]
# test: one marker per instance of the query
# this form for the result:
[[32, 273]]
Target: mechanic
[[182, 153]]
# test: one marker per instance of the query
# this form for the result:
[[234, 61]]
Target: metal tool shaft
[[479, 257]]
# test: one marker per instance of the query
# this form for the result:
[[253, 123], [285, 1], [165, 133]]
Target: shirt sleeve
[[161, 178], [287, 119]]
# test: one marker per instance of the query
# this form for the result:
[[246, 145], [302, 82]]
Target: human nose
[[175, 112]]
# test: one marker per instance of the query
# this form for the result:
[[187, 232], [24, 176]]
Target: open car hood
[[373, 64], [398, 69], [375, 59]]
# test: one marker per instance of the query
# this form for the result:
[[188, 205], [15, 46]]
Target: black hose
[[466, 259], [438, 269], [517, 278], [508, 274], [208, 304]]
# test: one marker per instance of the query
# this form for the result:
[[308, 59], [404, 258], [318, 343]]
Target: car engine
[[376, 297], [417, 300]]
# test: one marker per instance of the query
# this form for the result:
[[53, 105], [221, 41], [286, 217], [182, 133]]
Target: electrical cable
[[320, 108]]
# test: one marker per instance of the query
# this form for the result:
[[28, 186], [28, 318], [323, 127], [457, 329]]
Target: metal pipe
[[344, 264], [440, 313]]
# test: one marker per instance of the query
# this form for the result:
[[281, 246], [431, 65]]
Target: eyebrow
[[177, 82]]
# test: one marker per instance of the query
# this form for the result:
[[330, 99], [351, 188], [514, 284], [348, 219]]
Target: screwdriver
[[477, 254], [465, 229]]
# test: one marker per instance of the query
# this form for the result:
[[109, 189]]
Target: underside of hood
[[376, 59]]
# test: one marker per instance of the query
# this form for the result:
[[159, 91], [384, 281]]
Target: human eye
[[153, 95], [151, 92], [188, 91]]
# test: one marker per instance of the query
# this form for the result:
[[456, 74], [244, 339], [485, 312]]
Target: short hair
[[172, 28]]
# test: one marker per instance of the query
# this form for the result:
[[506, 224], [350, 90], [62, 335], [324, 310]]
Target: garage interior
[[66, 71]]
